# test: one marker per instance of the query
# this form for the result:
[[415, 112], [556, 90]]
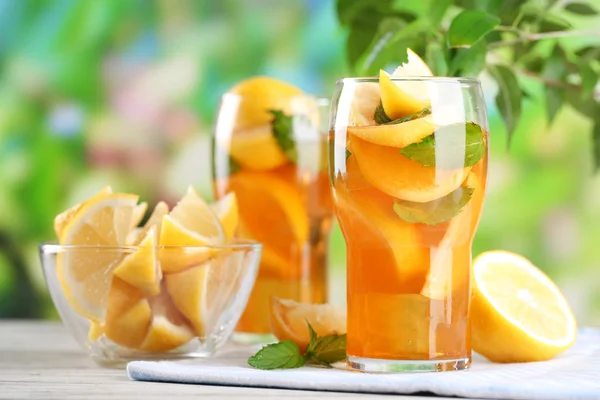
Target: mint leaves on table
[[324, 350], [283, 130], [382, 118], [436, 211], [282, 355], [453, 139]]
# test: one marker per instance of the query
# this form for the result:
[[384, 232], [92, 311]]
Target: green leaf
[[555, 69], [382, 118], [508, 99], [454, 139], [436, 211], [596, 139], [581, 9], [377, 54], [282, 355], [469, 62], [436, 11], [435, 54], [386, 47], [588, 53], [469, 26], [589, 78], [554, 100], [283, 130]]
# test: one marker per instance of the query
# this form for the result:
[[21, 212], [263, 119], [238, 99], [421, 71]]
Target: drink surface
[[288, 208], [408, 197]]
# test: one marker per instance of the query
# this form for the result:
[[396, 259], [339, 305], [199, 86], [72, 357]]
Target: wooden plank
[[39, 360]]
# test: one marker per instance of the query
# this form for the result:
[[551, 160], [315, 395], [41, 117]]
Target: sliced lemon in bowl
[[85, 275], [63, 219], [141, 268], [518, 313], [190, 224]]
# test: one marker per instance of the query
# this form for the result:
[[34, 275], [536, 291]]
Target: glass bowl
[[191, 307]]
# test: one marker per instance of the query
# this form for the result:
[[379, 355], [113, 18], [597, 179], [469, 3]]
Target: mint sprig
[[283, 131], [324, 350], [282, 355], [382, 118], [436, 211], [453, 139]]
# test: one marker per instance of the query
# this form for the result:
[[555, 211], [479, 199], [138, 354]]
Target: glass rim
[[441, 79], [238, 244]]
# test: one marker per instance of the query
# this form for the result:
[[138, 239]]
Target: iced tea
[[275, 159], [408, 189]]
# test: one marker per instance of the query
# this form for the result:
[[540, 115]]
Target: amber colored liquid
[[289, 210], [391, 263]]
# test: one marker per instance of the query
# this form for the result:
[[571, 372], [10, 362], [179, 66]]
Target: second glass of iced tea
[[408, 163], [270, 148]]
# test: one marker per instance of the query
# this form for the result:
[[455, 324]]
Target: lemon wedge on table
[[289, 320], [518, 313]]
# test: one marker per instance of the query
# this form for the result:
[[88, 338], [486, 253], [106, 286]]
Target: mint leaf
[[469, 62], [436, 211], [380, 116], [325, 350], [282, 355], [283, 130], [382, 119], [467, 137], [581, 9], [469, 26]]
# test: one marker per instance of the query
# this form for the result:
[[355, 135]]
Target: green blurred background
[[124, 92]]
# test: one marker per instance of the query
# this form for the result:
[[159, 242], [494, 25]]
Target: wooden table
[[39, 360]]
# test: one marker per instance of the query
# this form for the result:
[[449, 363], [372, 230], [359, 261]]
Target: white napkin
[[572, 375]]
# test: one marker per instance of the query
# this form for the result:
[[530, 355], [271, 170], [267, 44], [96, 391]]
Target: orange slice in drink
[[226, 211], [396, 175], [256, 148], [366, 96], [396, 135], [289, 320], [376, 236], [273, 212], [450, 258], [518, 313], [85, 275]]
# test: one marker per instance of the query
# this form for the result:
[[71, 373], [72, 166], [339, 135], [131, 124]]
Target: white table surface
[[39, 360]]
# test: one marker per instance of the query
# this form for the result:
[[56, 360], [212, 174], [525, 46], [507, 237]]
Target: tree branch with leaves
[[510, 40]]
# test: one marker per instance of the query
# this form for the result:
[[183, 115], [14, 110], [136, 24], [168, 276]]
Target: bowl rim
[[236, 244]]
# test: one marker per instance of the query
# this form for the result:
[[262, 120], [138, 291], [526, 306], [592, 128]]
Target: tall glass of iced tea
[[270, 148], [408, 162]]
